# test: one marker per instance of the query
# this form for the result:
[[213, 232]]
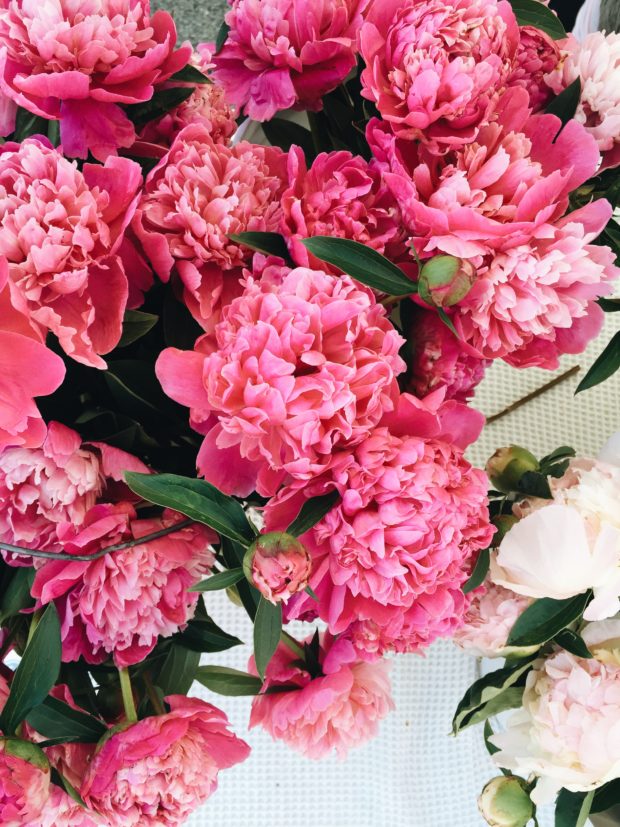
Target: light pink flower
[[60, 231], [158, 771], [77, 60], [435, 70], [397, 548], [334, 710], [301, 364], [199, 195], [491, 615], [24, 786], [279, 566], [281, 54], [121, 603], [536, 57]]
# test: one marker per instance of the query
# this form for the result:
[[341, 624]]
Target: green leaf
[[178, 671], [136, 324], [57, 720], [286, 134], [447, 321], [189, 74], [565, 104], [17, 596], [563, 452], [572, 809], [509, 698], [221, 36], [162, 102], [610, 305], [361, 263], [606, 797], [137, 392], [485, 690], [273, 244], [311, 593], [312, 511], [544, 618], [226, 681], [27, 124], [37, 672], [267, 632], [533, 13], [480, 571], [233, 554], [488, 734], [573, 643], [197, 499], [604, 367], [221, 580], [204, 635], [534, 484]]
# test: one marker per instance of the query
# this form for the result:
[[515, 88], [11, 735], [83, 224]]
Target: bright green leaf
[[267, 632], [226, 681], [312, 511], [545, 618]]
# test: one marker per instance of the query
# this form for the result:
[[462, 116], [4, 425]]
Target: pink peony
[[62, 811], [305, 363], [199, 195], [536, 57], [77, 60], [287, 53], [24, 784], [158, 771], [336, 709], [491, 615], [121, 603], [341, 195], [278, 565], [436, 69], [60, 232], [397, 548]]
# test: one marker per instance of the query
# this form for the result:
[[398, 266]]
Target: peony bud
[[505, 802], [508, 465], [25, 750], [278, 565], [445, 280]]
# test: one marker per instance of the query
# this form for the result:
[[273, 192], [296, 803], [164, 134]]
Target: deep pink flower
[[301, 364], [63, 811], [77, 60], [60, 231], [436, 69], [337, 709], [278, 565], [536, 56], [287, 53], [24, 786], [199, 195], [158, 771], [121, 603]]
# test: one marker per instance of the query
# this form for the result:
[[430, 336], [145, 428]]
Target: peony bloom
[[278, 565], [77, 60], [158, 771], [342, 196], [199, 195], [305, 363], [397, 548], [491, 615], [63, 811], [121, 603], [567, 731], [596, 62], [435, 70], [24, 782], [282, 54], [536, 57], [60, 233], [336, 709]]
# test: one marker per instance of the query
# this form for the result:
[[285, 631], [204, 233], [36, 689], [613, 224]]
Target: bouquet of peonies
[[431, 189]]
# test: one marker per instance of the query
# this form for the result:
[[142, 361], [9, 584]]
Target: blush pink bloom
[[199, 195], [79, 60], [282, 54], [279, 566], [536, 57], [397, 548], [60, 233], [24, 786], [301, 364], [335, 710], [120, 604], [488, 621], [435, 70], [158, 771]]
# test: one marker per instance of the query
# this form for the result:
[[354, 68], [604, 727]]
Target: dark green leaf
[[534, 484], [565, 104], [533, 13], [312, 511], [488, 734], [610, 305], [180, 328], [178, 671], [189, 74], [546, 617], [27, 124], [606, 797], [604, 367], [562, 452], [221, 580], [226, 681], [204, 635], [267, 632], [480, 571], [16, 595], [286, 134], [487, 689], [55, 719], [273, 244], [310, 591], [37, 672], [445, 318], [70, 789], [162, 102], [221, 36], [233, 554], [136, 324], [573, 643], [197, 499], [137, 392], [572, 809], [509, 698], [361, 263]]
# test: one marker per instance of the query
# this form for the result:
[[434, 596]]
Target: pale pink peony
[[158, 771], [281, 54], [396, 549], [121, 603], [60, 232], [596, 61], [334, 710], [199, 195], [24, 786], [537, 56], [488, 621], [279, 566], [435, 70], [302, 363], [77, 60]]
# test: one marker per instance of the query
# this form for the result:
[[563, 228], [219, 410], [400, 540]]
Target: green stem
[[153, 696], [127, 692]]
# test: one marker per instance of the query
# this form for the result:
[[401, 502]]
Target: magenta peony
[[435, 70], [301, 364], [158, 771], [77, 60], [24, 784], [278, 565], [536, 57], [287, 53], [334, 710]]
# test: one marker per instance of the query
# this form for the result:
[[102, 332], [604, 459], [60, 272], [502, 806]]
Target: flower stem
[[127, 692], [153, 696]]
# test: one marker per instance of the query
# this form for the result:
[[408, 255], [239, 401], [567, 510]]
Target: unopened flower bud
[[25, 750], [505, 802], [508, 465], [445, 280], [278, 565]]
